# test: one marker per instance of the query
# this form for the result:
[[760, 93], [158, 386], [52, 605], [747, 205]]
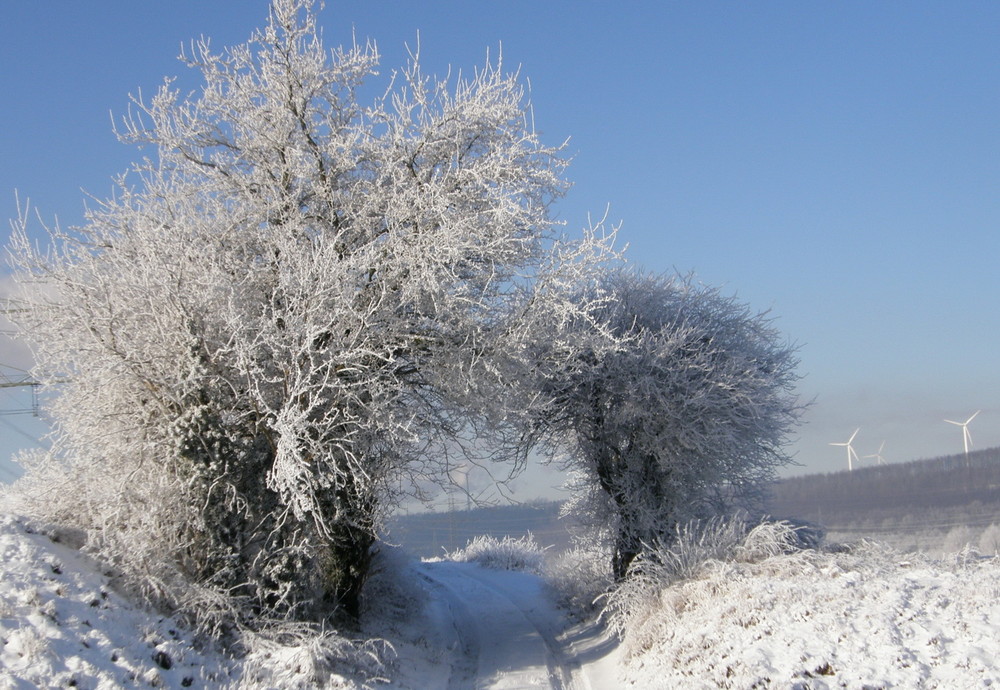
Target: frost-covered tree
[[287, 315], [669, 401]]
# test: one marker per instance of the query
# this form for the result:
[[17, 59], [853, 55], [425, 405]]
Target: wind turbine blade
[[854, 434], [972, 417], [955, 423]]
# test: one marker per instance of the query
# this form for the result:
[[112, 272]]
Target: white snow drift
[[864, 617]]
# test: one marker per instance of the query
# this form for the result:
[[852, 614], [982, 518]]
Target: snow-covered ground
[[867, 617], [500, 630], [61, 625]]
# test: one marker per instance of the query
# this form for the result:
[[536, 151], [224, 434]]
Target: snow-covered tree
[[669, 401], [287, 316]]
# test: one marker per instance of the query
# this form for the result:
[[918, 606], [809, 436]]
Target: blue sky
[[836, 163]]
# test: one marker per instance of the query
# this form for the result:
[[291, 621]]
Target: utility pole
[[22, 378], [21, 381]]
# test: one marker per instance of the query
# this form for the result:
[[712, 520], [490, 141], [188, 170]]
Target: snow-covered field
[[867, 617]]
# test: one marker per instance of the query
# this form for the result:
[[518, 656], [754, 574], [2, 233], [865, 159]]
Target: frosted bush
[[579, 577], [522, 553], [697, 547], [767, 539], [696, 543], [957, 539], [304, 658], [965, 557], [989, 541]]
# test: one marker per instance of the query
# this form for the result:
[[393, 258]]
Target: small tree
[[670, 402], [280, 316]]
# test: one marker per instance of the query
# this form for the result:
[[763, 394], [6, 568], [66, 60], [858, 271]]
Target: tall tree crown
[[290, 313]]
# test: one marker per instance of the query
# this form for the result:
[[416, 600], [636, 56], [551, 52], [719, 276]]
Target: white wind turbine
[[966, 437], [851, 455], [879, 460]]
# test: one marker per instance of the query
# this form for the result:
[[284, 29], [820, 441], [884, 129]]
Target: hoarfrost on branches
[[669, 401], [293, 313]]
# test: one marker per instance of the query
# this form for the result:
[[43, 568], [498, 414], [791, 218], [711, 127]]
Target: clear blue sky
[[837, 163]]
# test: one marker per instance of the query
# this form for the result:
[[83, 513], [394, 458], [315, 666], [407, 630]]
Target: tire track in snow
[[465, 664], [562, 668], [506, 642]]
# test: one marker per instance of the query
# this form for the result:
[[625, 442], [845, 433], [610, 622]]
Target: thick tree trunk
[[347, 571], [626, 550], [351, 513]]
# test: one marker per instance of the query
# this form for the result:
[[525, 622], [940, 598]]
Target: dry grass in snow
[[864, 617]]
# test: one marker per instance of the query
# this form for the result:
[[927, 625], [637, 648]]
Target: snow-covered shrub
[[522, 553], [989, 541], [957, 539], [308, 658], [770, 539], [698, 546], [579, 577], [693, 545]]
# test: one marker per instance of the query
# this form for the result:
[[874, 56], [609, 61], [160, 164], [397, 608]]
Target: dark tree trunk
[[348, 554], [626, 550], [349, 565]]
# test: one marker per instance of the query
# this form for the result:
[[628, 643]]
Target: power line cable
[[22, 432], [9, 472]]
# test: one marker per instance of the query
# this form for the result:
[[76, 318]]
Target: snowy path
[[453, 626], [503, 631], [860, 617]]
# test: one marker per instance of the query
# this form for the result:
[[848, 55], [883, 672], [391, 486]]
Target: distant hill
[[432, 534], [915, 505], [921, 497], [936, 483]]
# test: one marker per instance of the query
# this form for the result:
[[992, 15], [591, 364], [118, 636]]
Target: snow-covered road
[[502, 630]]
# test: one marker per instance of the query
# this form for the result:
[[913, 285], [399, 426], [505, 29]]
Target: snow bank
[[861, 618], [61, 625], [865, 617]]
